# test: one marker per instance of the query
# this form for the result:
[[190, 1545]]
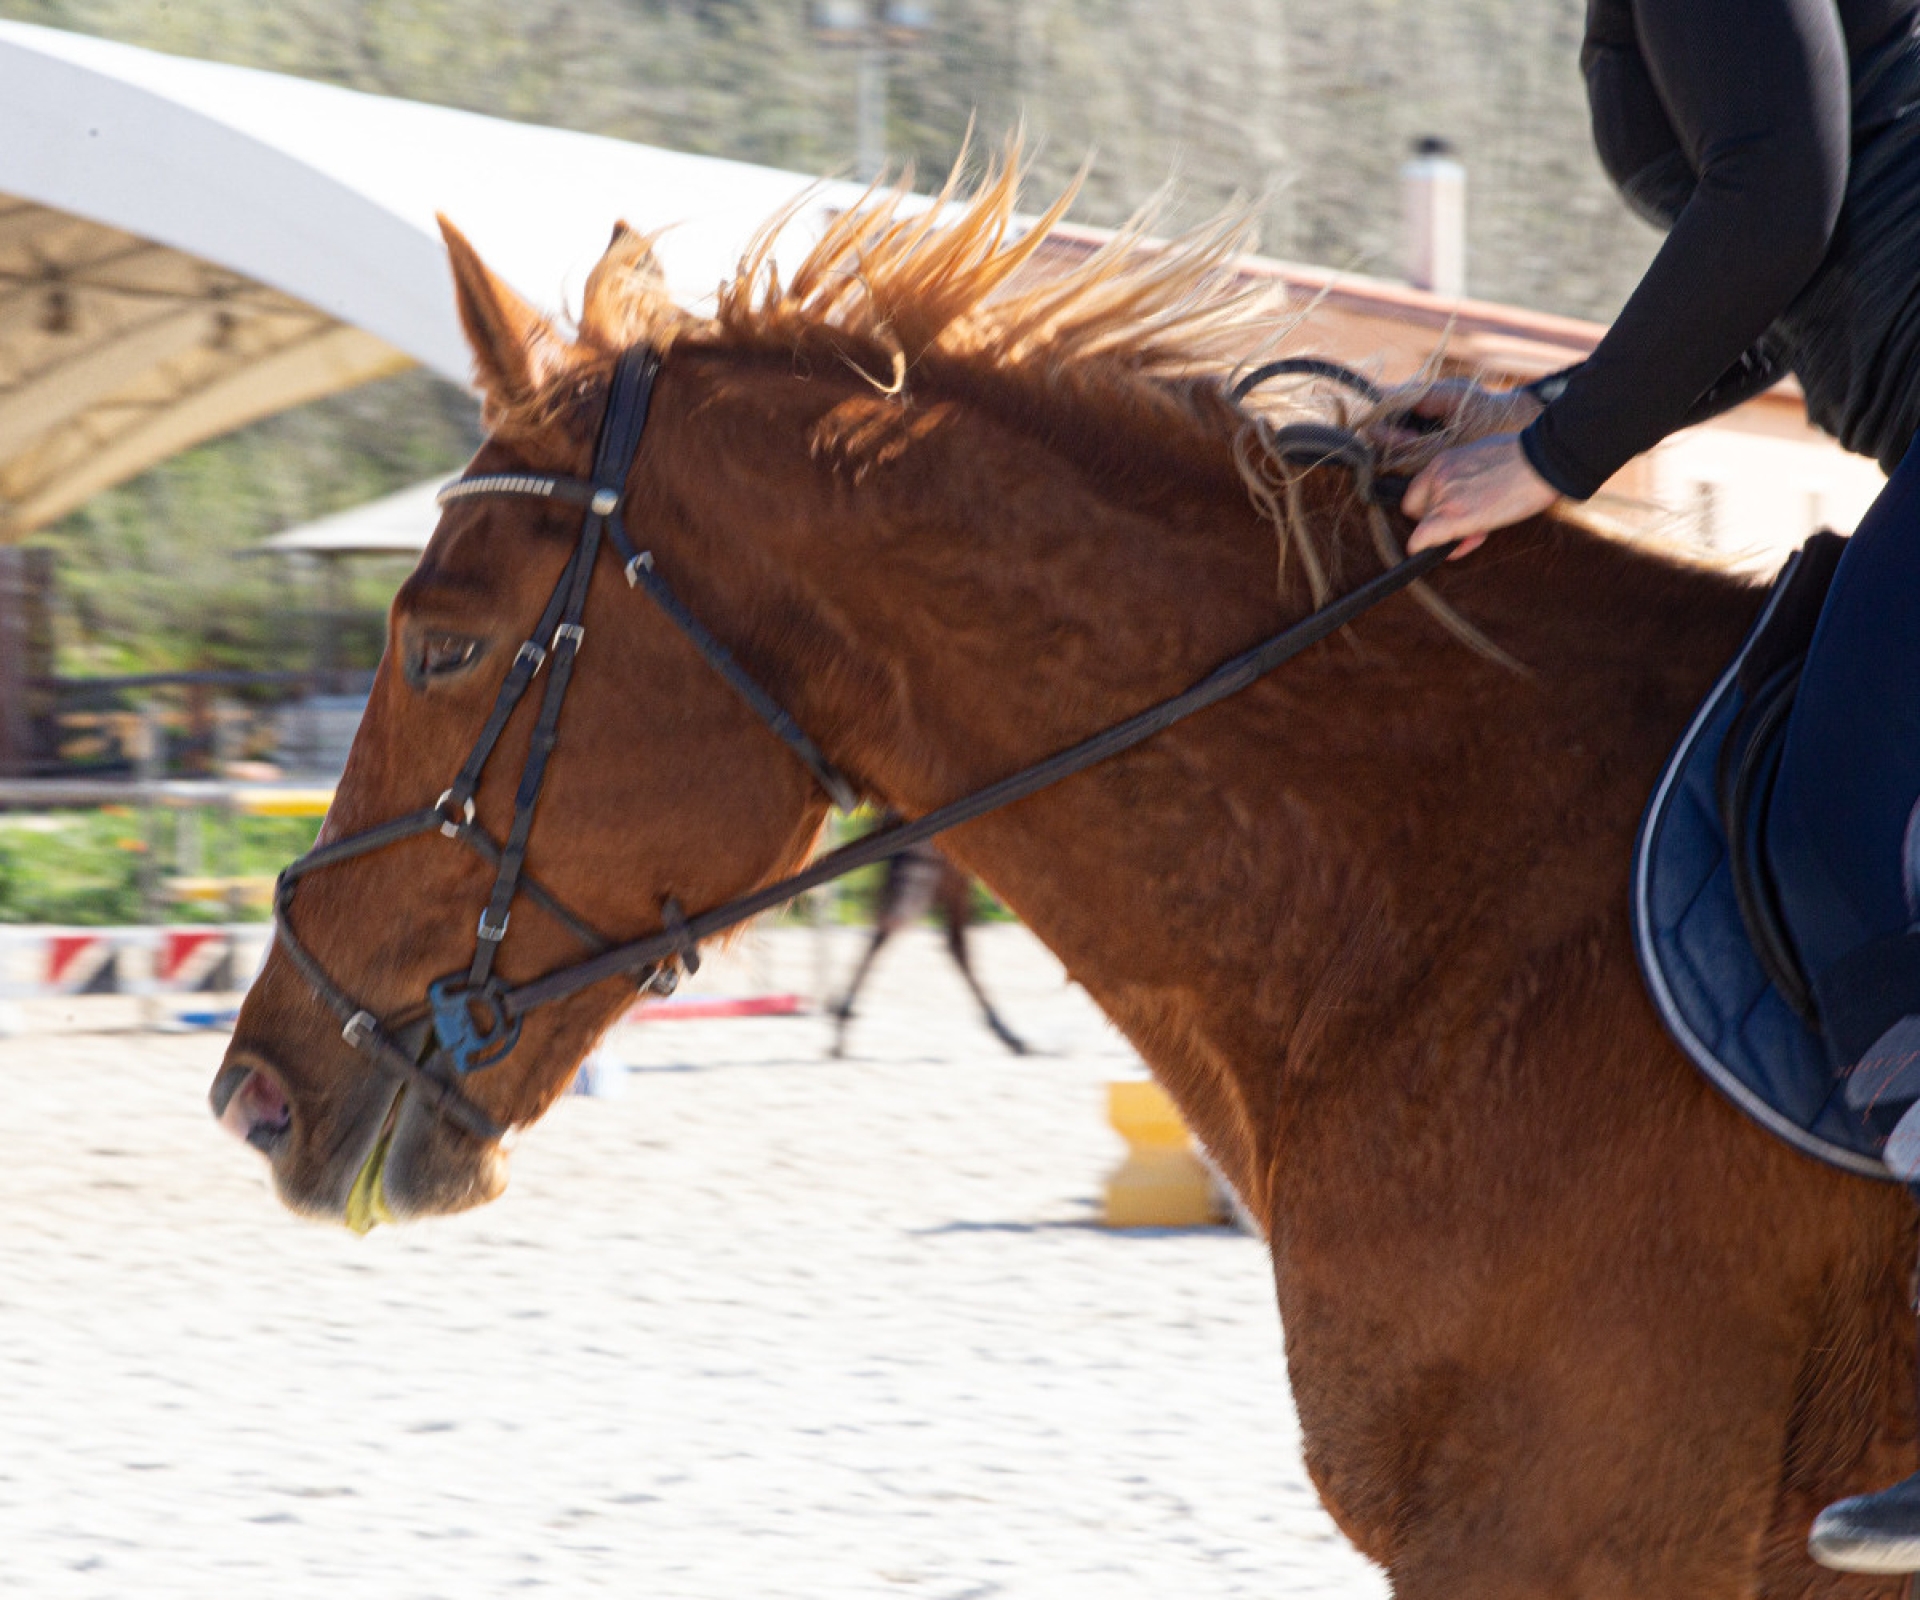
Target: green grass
[[91, 868], [852, 900]]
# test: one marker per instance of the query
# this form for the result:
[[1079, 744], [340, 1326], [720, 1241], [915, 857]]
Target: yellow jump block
[[283, 802], [247, 891], [1162, 1183]]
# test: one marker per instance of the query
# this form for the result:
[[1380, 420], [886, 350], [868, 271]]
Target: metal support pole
[[14, 734], [26, 658], [871, 29], [870, 107], [148, 764], [1433, 189]]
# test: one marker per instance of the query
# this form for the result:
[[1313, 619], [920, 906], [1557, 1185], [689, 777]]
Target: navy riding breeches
[[1850, 772]]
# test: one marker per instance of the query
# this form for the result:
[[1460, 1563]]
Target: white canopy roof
[[398, 524], [186, 246]]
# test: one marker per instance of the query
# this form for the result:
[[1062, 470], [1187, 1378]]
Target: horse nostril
[[267, 1138], [268, 1135], [256, 1108]]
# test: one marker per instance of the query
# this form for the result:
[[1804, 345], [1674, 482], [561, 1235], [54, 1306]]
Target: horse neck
[[993, 593]]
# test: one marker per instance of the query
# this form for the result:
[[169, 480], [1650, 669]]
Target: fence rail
[[249, 799], [186, 845]]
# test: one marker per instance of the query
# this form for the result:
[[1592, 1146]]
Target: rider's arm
[[1757, 371], [1754, 95]]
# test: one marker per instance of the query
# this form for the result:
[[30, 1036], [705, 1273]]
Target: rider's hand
[[1461, 406], [1465, 493]]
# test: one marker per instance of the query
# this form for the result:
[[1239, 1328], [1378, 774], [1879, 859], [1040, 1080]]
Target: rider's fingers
[[1437, 403], [1437, 514], [1417, 501], [1444, 528], [1434, 530], [1446, 399]]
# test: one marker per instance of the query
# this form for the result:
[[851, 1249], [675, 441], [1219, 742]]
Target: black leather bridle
[[472, 1019]]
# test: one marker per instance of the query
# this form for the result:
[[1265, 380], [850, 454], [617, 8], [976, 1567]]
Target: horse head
[[662, 790]]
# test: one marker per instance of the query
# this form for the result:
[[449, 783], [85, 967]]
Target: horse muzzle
[[382, 1156]]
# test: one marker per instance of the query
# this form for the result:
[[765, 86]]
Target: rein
[[472, 1019]]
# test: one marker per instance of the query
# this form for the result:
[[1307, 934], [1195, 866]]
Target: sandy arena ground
[[761, 1325]]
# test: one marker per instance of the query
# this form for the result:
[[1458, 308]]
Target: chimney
[[1433, 208]]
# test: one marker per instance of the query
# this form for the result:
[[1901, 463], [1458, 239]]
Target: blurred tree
[[149, 574], [1304, 107]]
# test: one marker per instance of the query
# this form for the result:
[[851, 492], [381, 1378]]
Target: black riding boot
[[1878, 1532]]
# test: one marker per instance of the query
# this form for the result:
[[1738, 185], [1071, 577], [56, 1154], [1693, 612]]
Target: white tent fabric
[[398, 524], [187, 246]]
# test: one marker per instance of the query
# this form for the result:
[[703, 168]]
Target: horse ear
[[625, 281], [514, 346]]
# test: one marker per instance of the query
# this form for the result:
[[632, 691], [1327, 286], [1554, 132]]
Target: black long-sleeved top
[[1779, 141]]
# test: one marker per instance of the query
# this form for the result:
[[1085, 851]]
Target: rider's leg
[[1850, 774], [1838, 840]]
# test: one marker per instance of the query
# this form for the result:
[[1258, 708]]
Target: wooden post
[[26, 659]]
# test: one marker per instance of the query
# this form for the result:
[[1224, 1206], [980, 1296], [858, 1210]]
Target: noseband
[[472, 1019]]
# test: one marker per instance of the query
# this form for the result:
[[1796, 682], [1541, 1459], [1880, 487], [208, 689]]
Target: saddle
[[1714, 952]]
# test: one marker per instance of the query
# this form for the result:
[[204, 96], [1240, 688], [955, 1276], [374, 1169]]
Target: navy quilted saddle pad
[[1711, 990]]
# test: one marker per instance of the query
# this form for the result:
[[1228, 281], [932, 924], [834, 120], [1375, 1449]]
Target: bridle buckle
[[360, 1027], [448, 826]]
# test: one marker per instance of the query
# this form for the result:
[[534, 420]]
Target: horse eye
[[443, 654]]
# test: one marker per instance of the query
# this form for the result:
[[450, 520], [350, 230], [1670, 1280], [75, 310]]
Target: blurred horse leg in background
[[906, 895], [954, 893], [917, 881]]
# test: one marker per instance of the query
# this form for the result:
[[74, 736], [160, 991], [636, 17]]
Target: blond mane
[[914, 280], [899, 285]]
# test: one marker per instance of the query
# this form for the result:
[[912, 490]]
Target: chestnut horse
[[1560, 1321]]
